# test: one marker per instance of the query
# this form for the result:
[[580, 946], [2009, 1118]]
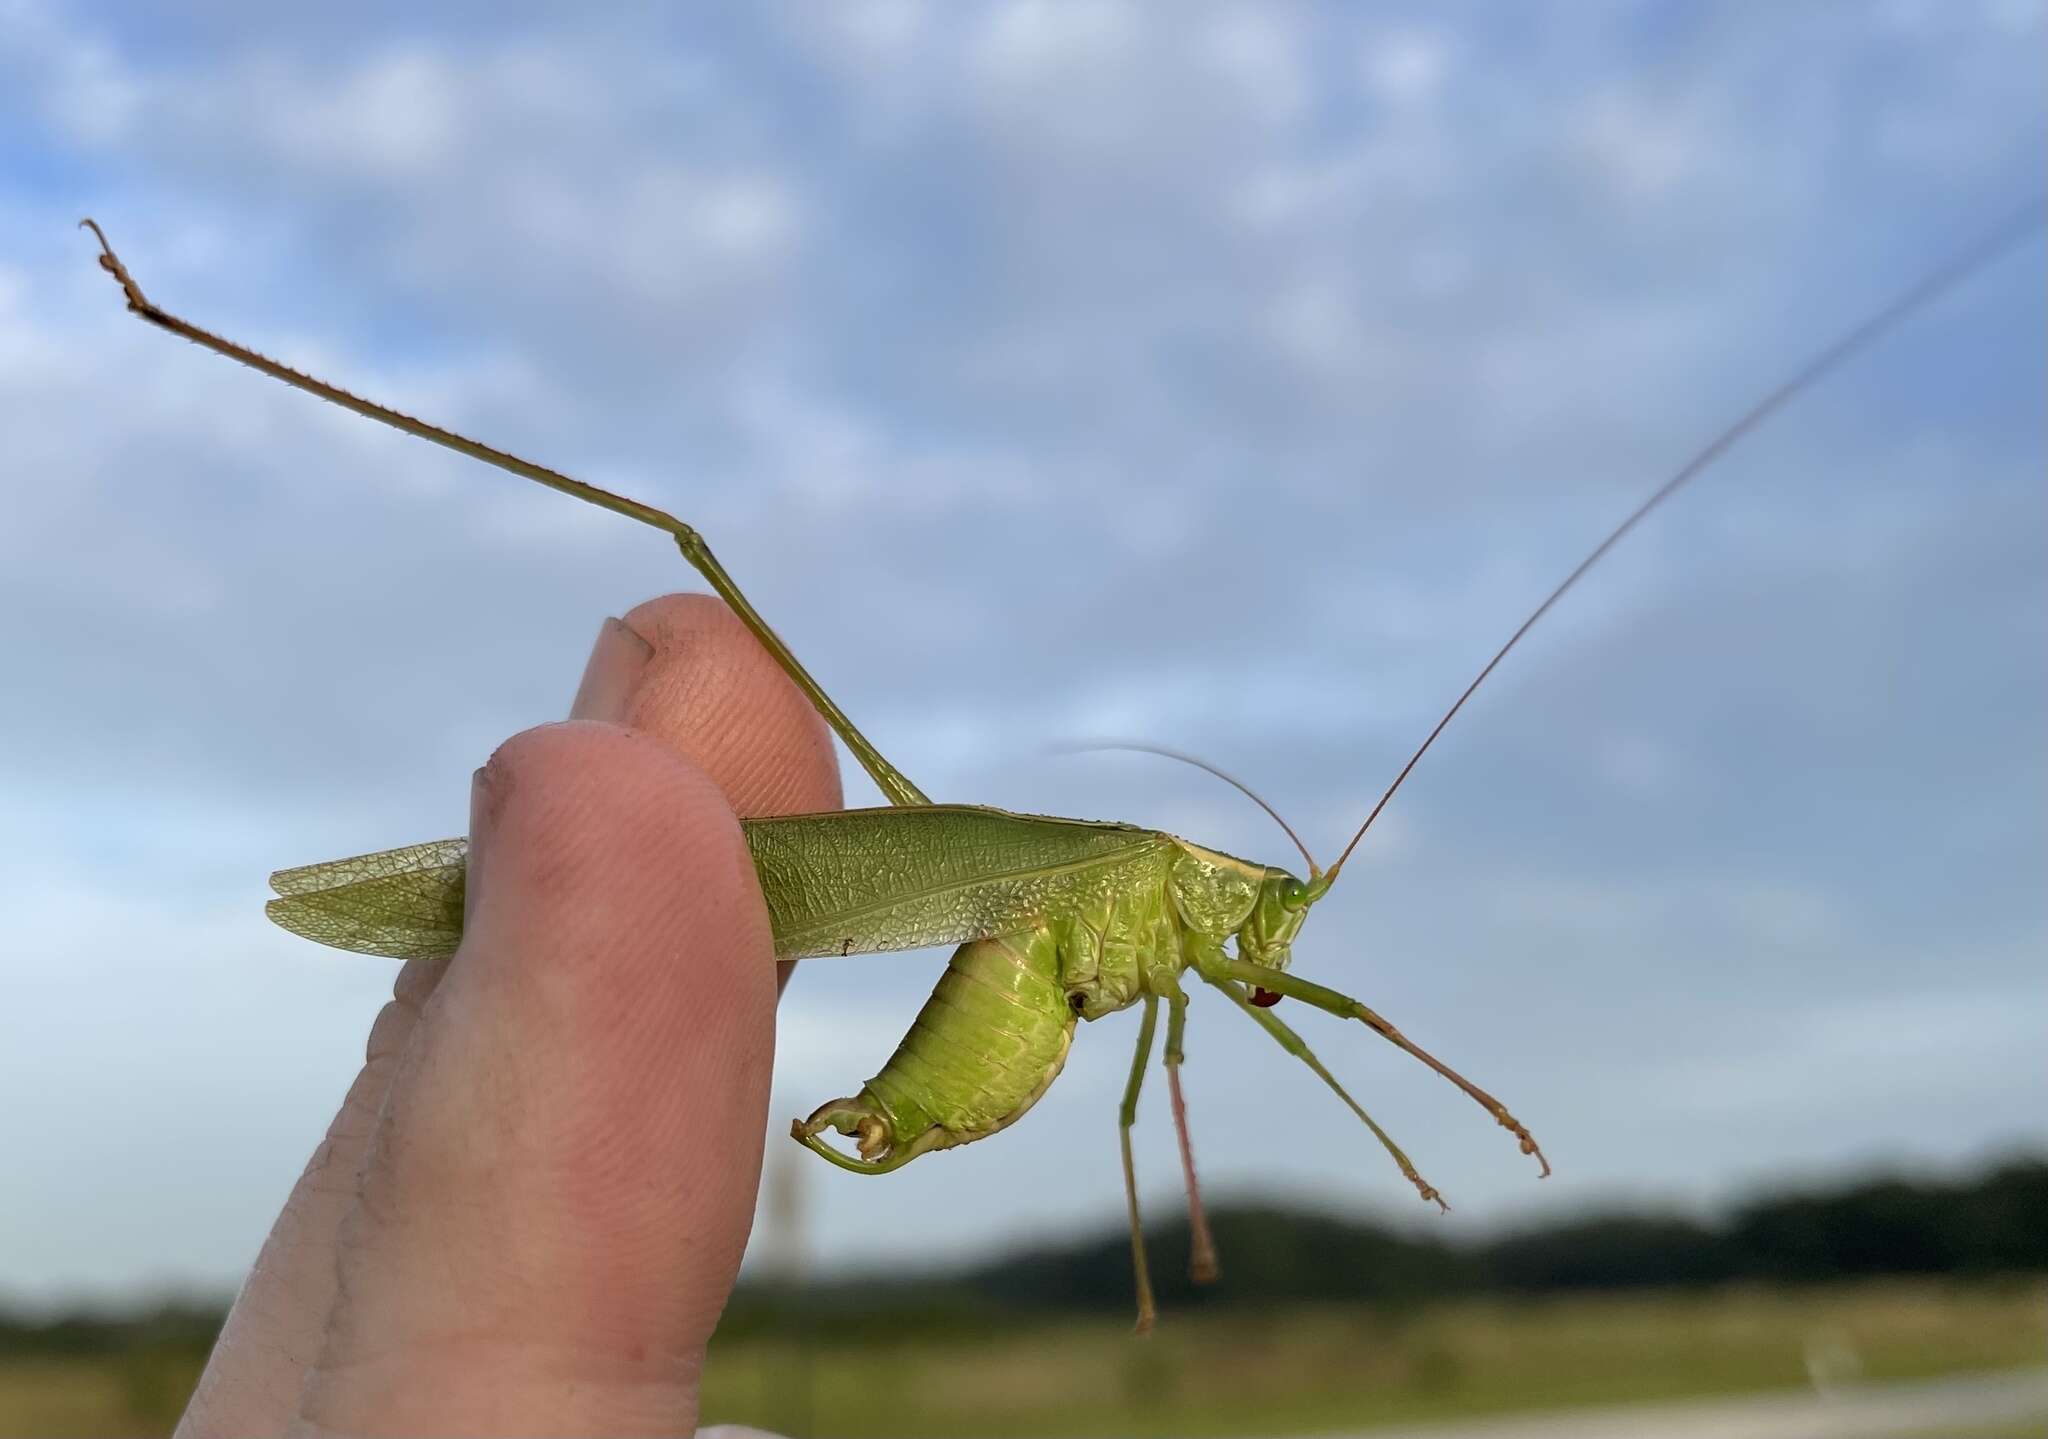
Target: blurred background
[[1231, 377]]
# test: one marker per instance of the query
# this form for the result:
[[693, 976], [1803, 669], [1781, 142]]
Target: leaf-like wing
[[861, 881], [845, 882], [404, 903]]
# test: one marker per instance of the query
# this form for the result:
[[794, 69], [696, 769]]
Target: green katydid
[[1056, 920]]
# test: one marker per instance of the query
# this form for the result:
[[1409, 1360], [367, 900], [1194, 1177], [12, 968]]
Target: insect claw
[[872, 1138], [1529, 1144], [1514, 1126], [111, 263]]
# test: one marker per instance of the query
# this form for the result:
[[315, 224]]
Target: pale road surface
[[1926, 1409]]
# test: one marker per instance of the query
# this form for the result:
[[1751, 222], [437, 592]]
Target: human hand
[[529, 1212]]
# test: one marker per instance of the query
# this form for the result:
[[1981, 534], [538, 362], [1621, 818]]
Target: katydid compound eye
[[1295, 895]]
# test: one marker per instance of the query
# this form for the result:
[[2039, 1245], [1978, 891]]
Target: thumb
[[563, 1176]]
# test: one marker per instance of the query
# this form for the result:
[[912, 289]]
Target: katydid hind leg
[[1203, 1267], [1332, 1001], [892, 781], [1295, 1045], [1127, 1115]]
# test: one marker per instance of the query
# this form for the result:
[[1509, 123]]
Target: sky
[[1229, 377]]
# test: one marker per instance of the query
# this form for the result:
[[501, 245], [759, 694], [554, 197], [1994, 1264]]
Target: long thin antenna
[[1139, 747], [1946, 277]]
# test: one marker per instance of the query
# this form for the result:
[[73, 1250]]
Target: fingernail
[[616, 663], [482, 814]]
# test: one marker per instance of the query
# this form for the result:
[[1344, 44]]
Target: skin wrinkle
[[699, 686], [492, 1347], [277, 1320], [707, 680], [549, 1368]]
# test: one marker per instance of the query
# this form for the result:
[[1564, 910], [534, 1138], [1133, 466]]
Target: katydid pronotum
[[1057, 920]]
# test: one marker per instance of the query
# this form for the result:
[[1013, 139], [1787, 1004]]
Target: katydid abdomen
[[989, 1041], [994, 1033]]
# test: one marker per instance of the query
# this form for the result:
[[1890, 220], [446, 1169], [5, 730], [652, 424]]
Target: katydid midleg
[[1056, 920]]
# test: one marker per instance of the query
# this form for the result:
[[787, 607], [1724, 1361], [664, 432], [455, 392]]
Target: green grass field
[[1243, 1372], [1303, 1370]]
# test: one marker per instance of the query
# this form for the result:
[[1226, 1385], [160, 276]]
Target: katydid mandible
[[1056, 920]]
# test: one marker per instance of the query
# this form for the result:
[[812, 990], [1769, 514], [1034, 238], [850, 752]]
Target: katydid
[[1056, 920]]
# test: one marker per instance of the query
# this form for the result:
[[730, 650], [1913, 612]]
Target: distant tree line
[[179, 1329], [1995, 1223]]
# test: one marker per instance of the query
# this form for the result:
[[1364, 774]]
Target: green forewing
[[849, 882], [405, 903], [901, 878]]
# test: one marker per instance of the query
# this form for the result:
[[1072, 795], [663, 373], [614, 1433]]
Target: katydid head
[[1267, 935], [1266, 938]]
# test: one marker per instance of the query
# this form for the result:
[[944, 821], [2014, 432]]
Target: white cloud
[[1028, 42], [884, 31], [1857, 1052], [1259, 50], [88, 90], [1406, 68], [396, 116], [1642, 764]]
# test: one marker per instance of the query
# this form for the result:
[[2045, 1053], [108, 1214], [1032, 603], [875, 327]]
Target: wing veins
[[841, 919]]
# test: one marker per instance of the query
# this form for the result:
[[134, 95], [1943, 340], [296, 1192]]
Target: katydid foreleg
[[1127, 1115], [1217, 966], [1202, 1265], [1295, 1045]]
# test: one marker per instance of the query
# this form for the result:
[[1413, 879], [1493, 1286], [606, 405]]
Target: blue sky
[[1233, 377]]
